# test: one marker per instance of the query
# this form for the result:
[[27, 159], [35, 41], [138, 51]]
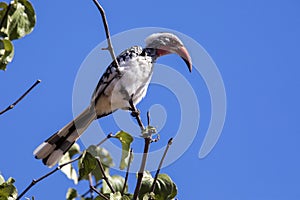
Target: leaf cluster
[[7, 189], [94, 163], [165, 188], [17, 19]]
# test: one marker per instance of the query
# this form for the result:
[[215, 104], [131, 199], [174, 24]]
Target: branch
[[127, 172], [110, 47], [107, 137], [104, 175], [160, 164], [142, 168], [91, 184], [35, 181], [148, 118], [87, 192], [148, 140], [19, 99], [100, 194]]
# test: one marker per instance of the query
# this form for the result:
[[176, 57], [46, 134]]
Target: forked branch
[[104, 175]]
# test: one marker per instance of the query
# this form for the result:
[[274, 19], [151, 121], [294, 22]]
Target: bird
[[120, 87]]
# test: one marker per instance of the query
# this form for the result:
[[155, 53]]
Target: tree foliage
[[7, 189], [17, 19], [165, 188]]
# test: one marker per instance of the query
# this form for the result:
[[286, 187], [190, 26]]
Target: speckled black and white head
[[168, 43]]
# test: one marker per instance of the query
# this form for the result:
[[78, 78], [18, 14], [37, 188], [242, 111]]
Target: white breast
[[136, 75]]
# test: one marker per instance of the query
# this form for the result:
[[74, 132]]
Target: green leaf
[[2, 180], [17, 19], [86, 164], [165, 188], [125, 198], [102, 153], [88, 198], [105, 159], [71, 194], [146, 184], [75, 149], [69, 170], [148, 196], [6, 53], [115, 196], [8, 190], [3, 9], [100, 198], [125, 139], [116, 182]]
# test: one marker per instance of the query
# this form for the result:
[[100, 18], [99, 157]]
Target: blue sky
[[255, 45]]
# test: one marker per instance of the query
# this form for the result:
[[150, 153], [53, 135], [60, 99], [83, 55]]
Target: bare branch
[[160, 164], [148, 118], [107, 137], [19, 99], [91, 184], [104, 175], [142, 168], [100, 194], [110, 46], [127, 172], [35, 181], [87, 192]]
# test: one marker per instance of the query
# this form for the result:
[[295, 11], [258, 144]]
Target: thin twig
[[104, 175], [142, 168], [148, 118], [107, 137], [19, 99], [100, 194], [35, 181], [127, 172], [110, 46], [86, 193], [91, 184], [160, 164], [136, 114]]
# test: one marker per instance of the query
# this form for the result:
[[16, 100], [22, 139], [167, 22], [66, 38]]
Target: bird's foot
[[135, 113]]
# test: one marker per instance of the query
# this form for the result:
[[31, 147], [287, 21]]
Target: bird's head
[[168, 43]]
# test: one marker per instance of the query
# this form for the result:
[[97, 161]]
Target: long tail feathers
[[60, 142]]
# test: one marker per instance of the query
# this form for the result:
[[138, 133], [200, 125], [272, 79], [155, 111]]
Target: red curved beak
[[181, 51], [184, 54]]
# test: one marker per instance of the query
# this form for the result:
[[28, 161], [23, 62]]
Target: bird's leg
[[135, 113]]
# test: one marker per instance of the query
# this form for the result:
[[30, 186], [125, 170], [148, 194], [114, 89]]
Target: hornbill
[[117, 89]]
